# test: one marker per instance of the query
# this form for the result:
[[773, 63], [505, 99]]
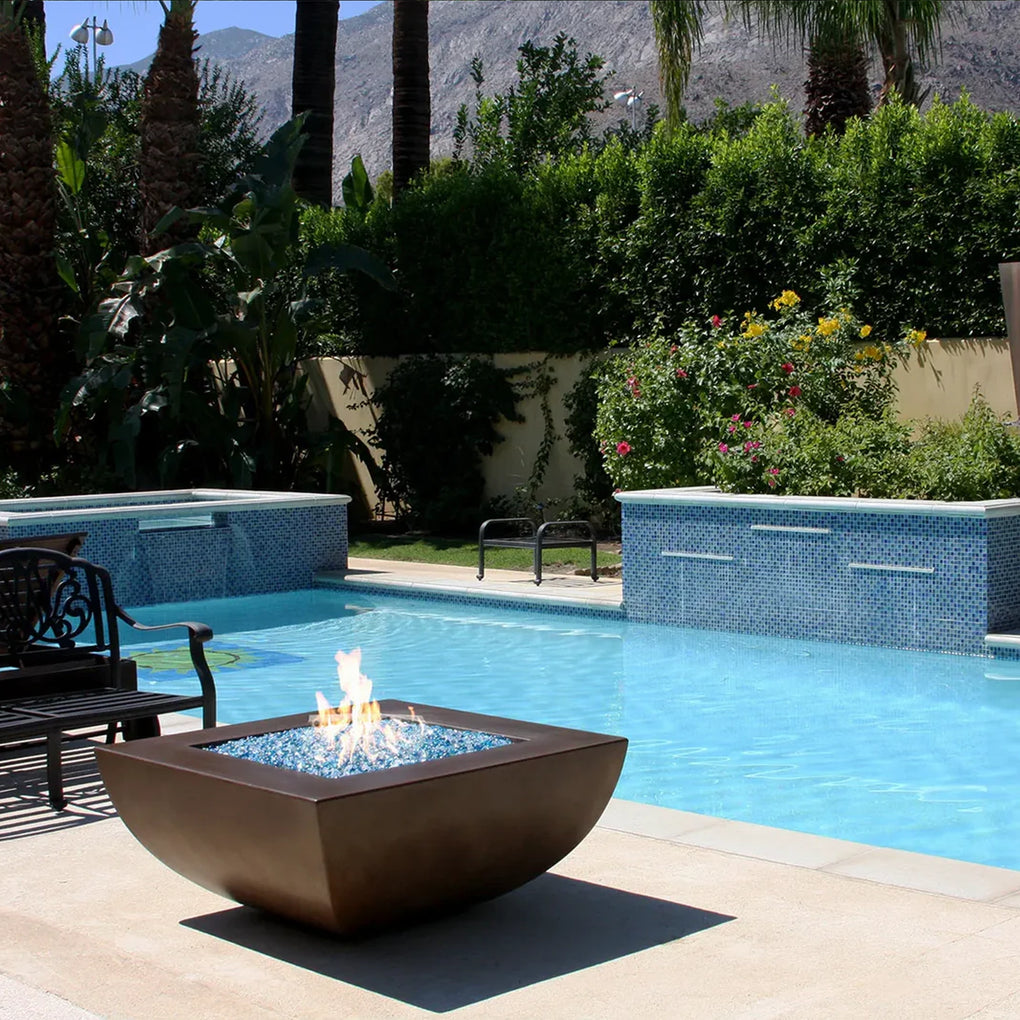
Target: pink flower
[[673, 349], [789, 411], [771, 481], [839, 458], [787, 367], [681, 374], [773, 471], [754, 460], [632, 384], [748, 424], [756, 444], [617, 490], [716, 322], [748, 446], [734, 417], [623, 448], [732, 428], [752, 386], [723, 448], [795, 391]]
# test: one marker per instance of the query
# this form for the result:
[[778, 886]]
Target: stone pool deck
[[657, 914], [512, 585]]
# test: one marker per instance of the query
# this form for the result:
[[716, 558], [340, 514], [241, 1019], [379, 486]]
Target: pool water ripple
[[913, 750]]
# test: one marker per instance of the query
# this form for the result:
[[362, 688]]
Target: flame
[[356, 724]]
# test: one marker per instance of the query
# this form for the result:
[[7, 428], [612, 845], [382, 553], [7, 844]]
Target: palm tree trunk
[[837, 86], [896, 59], [312, 89], [169, 128], [34, 360], [412, 103]]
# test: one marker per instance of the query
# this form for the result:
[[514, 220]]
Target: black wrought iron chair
[[61, 667]]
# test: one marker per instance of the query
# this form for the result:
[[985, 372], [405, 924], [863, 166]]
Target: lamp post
[[633, 99], [103, 36]]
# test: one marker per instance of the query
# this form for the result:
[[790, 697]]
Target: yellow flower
[[865, 331], [721, 344], [871, 351], [787, 299], [754, 329], [826, 327], [916, 337]]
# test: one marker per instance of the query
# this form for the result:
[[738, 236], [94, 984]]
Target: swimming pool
[[914, 750]]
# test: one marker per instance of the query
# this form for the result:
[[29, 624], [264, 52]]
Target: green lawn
[[459, 552]]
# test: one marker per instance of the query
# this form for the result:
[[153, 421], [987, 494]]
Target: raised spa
[[373, 850], [183, 544]]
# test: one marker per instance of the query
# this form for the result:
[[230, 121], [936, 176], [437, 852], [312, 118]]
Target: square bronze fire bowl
[[373, 850]]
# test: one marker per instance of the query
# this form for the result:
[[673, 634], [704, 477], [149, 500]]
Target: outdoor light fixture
[[101, 36], [633, 99]]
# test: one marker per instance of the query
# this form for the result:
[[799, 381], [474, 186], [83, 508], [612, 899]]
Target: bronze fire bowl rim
[[190, 751]]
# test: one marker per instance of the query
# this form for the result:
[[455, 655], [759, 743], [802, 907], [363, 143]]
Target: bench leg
[[54, 776], [594, 561], [538, 562], [481, 560], [139, 729]]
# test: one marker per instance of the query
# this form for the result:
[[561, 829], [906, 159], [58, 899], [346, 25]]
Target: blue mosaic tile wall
[[249, 552], [902, 580]]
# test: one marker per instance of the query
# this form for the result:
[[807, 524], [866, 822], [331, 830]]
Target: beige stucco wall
[[937, 382], [940, 378]]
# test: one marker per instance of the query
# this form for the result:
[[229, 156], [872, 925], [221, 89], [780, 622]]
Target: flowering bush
[[720, 402]]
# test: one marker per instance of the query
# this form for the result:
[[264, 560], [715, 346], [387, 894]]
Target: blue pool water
[[913, 750]]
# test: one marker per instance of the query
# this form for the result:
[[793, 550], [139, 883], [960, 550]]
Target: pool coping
[[125, 505], [904, 869]]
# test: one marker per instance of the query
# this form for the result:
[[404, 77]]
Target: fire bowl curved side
[[372, 851]]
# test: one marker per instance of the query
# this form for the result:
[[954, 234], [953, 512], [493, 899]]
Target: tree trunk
[[412, 105], [896, 60], [169, 129], [312, 89], [34, 359], [837, 86]]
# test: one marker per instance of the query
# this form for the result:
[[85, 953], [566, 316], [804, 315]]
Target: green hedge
[[916, 210]]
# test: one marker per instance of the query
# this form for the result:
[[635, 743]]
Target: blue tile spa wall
[[904, 580], [247, 552]]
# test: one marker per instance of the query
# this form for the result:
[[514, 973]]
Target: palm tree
[[32, 356], [169, 126], [834, 29], [895, 28], [412, 108], [312, 89]]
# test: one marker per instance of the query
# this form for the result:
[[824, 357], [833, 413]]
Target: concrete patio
[[658, 913]]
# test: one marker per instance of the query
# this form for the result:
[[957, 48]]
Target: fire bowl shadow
[[370, 851]]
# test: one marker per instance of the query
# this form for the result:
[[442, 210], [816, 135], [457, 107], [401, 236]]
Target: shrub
[[437, 417], [716, 402], [977, 457]]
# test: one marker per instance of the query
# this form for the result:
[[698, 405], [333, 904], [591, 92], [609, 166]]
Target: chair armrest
[[198, 631], [587, 525], [505, 520], [198, 634]]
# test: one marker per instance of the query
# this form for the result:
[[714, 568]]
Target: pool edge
[[905, 869]]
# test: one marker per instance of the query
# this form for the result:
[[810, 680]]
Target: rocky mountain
[[222, 46], [981, 54]]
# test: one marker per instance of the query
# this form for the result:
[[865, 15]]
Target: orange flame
[[356, 723]]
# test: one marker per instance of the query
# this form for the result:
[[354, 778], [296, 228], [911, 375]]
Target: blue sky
[[135, 25]]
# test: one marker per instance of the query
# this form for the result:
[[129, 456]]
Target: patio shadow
[[550, 927], [24, 802]]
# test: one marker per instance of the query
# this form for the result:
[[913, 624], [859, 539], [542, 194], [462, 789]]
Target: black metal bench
[[537, 539], [60, 663]]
